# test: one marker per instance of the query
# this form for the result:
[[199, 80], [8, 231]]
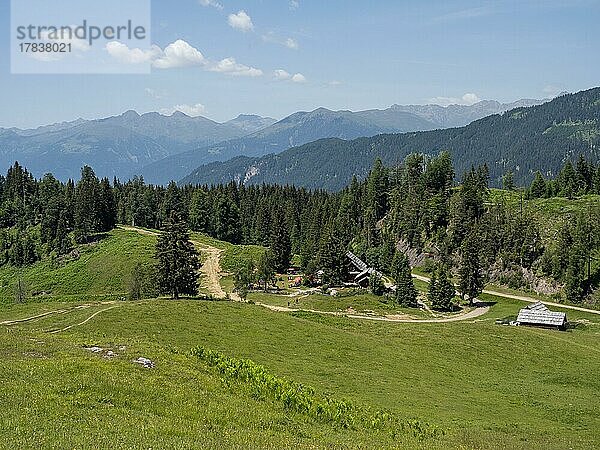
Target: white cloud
[[126, 55], [334, 83], [231, 67], [190, 110], [299, 78], [176, 54], [240, 21], [468, 99], [291, 43], [76, 46], [179, 54], [286, 42], [282, 75], [294, 4], [212, 3]]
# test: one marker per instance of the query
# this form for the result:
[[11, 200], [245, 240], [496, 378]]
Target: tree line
[[418, 206]]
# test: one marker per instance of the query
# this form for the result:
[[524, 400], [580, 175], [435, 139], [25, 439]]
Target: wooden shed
[[360, 272], [538, 315]]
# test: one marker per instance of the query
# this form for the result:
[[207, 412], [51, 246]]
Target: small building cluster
[[538, 315], [360, 271]]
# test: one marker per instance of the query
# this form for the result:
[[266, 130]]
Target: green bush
[[302, 399]]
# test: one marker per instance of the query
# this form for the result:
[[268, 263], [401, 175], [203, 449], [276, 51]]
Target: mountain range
[[522, 140], [162, 148], [116, 146]]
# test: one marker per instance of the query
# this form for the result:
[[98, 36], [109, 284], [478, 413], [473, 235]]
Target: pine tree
[[470, 270], [537, 189], [85, 204], [227, 220], [445, 291], [62, 241], [567, 181], [172, 202], [178, 262], [376, 285], [508, 181], [106, 207], [432, 291], [244, 277], [200, 211], [574, 282], [406, 293], [280, 243], [332, 255], [266, 269]]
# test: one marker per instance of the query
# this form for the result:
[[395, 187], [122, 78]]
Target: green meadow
[[470, 384]]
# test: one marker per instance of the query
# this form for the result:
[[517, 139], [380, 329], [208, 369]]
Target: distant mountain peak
[[130, 114], [180, 114]]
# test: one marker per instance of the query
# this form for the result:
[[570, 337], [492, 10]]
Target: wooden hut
[[538, 315]]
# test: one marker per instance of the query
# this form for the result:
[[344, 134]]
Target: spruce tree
[[200, 211], [178, 262], [332, 255], [280, 243], [244, 277], [537, 189], [470, 270], [62, 242], [86, 205], [106, 207], [406, 293], [266, 269], [227, 220], [433, 292], [376, 285], [574, 282], [444, 291]]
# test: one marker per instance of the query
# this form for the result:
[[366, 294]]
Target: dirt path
[[138, 230], [211, 267], [85, 321], [57, 311], [524, 298], [463, 316]]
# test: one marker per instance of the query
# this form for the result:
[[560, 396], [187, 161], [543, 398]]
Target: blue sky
[[337, 54]]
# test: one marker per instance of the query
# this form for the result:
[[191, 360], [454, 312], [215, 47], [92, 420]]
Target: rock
[[145, 362], [95, 349]]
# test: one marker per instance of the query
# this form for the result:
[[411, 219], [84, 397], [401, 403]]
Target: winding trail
[[85, 321], [57, 311], [211, 267], [524, 298], [462, 316]]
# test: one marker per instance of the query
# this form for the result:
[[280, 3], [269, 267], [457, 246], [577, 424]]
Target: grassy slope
[[489, 386], [233, 255], [103, 269], [548, 211]]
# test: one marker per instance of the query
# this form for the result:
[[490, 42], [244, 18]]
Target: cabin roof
[[539, 314]]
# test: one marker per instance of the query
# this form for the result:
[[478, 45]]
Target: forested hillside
[[415, 210], [522, 141]]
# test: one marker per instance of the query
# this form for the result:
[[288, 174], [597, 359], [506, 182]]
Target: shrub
[[302, 399]]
